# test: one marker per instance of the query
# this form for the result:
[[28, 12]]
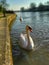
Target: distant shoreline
[[32, 11]]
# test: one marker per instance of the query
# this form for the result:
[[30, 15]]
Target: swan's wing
[[23, 39], [31, 42]]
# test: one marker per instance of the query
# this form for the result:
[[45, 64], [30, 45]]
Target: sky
[[17, 4]]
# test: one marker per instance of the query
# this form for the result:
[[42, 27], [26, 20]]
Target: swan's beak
[[30, 30]]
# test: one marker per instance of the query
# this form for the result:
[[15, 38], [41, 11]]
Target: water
[[39, 21]]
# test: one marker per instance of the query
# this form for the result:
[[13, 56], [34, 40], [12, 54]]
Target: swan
[[21, 19], [26, 41]]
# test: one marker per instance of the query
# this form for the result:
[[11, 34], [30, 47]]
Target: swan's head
[[29, 28]]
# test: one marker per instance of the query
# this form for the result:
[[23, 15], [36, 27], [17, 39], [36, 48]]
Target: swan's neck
[[27, 31]]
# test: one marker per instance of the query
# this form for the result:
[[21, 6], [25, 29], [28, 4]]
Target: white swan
[[26, 41], [21, 19]]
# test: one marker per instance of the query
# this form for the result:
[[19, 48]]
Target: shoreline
[[6, 46], [10, 20]]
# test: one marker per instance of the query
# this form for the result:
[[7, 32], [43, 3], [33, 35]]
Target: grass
[[1, 15]]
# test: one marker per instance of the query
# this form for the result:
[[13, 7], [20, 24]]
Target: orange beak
[[30, 30]]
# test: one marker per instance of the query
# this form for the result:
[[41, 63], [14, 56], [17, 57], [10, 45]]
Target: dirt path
[[5, 47]]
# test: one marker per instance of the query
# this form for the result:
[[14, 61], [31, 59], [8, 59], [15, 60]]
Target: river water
[[39, 21]]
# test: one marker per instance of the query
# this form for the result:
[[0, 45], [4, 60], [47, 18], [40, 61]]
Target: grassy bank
[[10, 20], [5, 45]]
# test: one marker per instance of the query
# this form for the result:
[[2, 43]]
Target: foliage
[[22, 9], [0, 7], [34, 8], [47, 2], [3, 6], [32, 5]]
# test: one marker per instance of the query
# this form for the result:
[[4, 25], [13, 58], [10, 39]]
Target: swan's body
[[26, 41], [21, 19]]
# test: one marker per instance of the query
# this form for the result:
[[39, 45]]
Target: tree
[[32, 6], [47, 5], [47, 2], [0, 7], [22, 9], [4, 6], [40, 4], [41, 7]]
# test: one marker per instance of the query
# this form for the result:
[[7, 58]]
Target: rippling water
[[39, 21]]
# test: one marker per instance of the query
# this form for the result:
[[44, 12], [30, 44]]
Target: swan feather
[[24, 41]]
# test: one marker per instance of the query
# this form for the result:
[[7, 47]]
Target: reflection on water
[[39, 21]]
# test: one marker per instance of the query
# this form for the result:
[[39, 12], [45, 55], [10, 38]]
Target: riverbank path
[[4, 45]]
